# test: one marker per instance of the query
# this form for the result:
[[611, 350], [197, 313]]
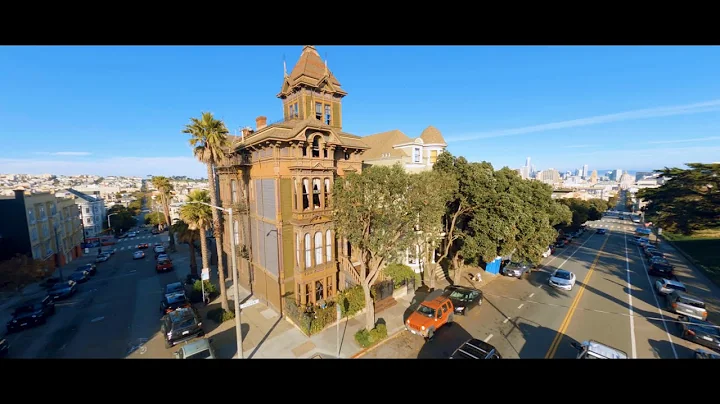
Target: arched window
[[316, 193], [327, 193], [306, 193], [308, 251], [318, 248], [316, 147], [233, 190], [328, 246], [318, 291]]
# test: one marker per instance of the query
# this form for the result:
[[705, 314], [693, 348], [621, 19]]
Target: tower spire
[[284, 67]]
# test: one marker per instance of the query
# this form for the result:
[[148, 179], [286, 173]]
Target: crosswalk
[[131, 243]]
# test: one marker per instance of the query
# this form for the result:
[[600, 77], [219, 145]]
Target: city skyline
[[120, 110]]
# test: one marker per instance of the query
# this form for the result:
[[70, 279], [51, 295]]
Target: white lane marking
[[532, 294], [521, 305], [506, 320], [96, 319], [488, 338], [630, 303], [657, 305], [539, 286]]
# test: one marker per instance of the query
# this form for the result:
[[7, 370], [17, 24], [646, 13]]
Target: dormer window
[[318, 111], [293, 111], [417, 154], [316, 147]]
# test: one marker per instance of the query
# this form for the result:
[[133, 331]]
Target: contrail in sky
[[696, 108]]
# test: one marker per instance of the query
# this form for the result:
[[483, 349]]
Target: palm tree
[[165, 189], [199, 218], [188, 236], [208, 137]]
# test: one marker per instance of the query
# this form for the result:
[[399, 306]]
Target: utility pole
[[57, 252]]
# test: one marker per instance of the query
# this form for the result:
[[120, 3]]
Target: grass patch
[[704, 247]]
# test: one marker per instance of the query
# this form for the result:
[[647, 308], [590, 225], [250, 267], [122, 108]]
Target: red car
[[164, 265], [142, 246]]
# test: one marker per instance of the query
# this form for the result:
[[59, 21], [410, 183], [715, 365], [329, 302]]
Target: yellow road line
[[566, 322]]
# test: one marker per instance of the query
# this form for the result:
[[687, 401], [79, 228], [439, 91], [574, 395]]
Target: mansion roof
[[385, 144], [291, 129]]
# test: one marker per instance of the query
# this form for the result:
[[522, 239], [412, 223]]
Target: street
[[612, 302], [115, 310]]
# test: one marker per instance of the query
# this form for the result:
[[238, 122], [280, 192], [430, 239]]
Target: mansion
[[279, 178]]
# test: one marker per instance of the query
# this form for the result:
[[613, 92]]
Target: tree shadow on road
[[542, 342], [664, 350], [446, 340], [540, 278]]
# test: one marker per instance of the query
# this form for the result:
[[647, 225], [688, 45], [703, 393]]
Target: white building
[[92, 211]]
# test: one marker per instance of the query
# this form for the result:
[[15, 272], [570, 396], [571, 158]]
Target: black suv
[[476, 349], [173, 301], [463, 298], [661, 269], [91, 269], [181, 325], [31, 313]]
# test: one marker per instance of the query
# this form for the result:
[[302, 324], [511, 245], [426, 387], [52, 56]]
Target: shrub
[[367, 338], [399, 273], [323, 318], [310, 323], [196, 293], [219, 315], [351, 301]]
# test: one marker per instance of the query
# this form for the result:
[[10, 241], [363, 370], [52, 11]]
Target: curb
[[362, 352]]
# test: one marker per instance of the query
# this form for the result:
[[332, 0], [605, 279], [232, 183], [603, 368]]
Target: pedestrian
[[479, 278]]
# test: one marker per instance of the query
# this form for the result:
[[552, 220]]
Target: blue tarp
[[493, 267]]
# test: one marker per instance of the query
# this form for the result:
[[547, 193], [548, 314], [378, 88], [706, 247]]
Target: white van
[[596, 350]]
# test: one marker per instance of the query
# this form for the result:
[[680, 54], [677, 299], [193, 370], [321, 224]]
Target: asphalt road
[[114, 311], [613, 302]]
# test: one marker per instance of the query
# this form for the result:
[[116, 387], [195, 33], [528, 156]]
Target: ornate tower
[[311, 91]]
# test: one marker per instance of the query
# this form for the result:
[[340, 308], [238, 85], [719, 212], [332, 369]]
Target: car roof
[[435, 299], [672, 282], [473, 349], [687, 296], [194, 347], [30, 302], [562, 271], [604, 350], [461, 288], [180, 314]]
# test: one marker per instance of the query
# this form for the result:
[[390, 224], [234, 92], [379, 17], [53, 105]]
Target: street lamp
[[112, 214], [236, 279]]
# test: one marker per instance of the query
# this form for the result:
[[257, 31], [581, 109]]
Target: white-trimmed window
[[328, 246], [308, 251], [31, 215], [316, 193], [318, 248], [417, 154], [327, 192], [233, 190]]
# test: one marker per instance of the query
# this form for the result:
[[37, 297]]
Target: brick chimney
[[246, 132], [261, 122]]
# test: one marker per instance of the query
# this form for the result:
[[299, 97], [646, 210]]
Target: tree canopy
[[122, 220], [688, 201], [584, 210]]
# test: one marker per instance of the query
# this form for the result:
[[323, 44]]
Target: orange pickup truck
[[430, 315]]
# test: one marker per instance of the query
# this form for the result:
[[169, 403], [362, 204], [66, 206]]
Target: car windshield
[[29, 308], [84, 267], [174, 287], [426, 311], [204, 354], [562, 274], [463, 296], [175, 298]]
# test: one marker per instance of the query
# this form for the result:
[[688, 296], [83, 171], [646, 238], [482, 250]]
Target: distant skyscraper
[[594, 177], [527, 162], [585, 172], [618, 175]]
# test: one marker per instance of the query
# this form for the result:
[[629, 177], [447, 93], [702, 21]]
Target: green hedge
[[399, 273], [310, 323], [367, 338], [196, 293], [219, 315], [351, 301]]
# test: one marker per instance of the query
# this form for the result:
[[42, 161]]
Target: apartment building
[[42, 226], [92, 211]]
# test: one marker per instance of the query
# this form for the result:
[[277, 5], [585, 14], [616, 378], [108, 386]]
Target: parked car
[[476, 349], [162, 256], [666, 286], [703, 354], [4, 347], [559, 244], [63, 289], [547, 252], [661, 269], [49, 282], [31, 313], [159, 250], [200, 349], [600, 231], [173, 301], [517, 269], [562, 279], [181, 325], [684, 304], [79, 276], [102, 257], [430, 315], [660, 260], [174, 288], [89, 268], [154, 231], [137, 255], [700, 332], [463, 298], [142, 246]]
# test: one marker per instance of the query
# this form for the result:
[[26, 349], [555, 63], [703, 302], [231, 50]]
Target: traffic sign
[[249, 303], [205, 275]]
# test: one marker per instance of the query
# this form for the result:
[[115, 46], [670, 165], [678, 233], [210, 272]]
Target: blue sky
[[120, 110]]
